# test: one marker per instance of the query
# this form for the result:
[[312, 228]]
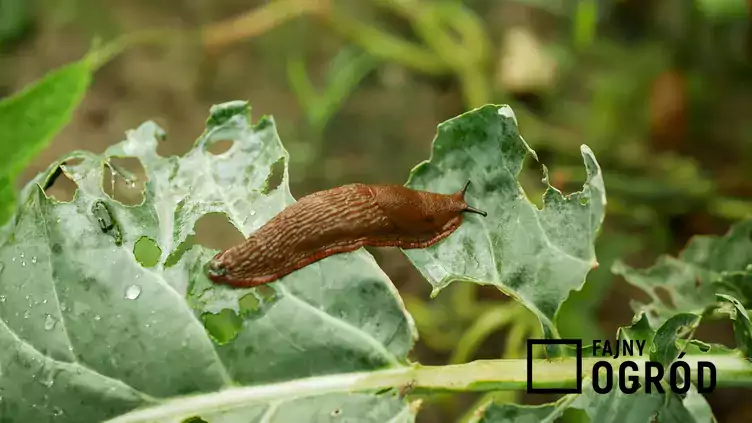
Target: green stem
[[484, 375], [386, 46]]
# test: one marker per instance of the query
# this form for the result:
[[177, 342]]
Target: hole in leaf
[[248, 304], [123, 180], [59, 186], [530, 180], [223, 326], [178, 253], [336, 412], [147, 251], [719, 331], [219, 146], [276, 174], [665, 296], [267, 293], [214, 230], [194, 419]]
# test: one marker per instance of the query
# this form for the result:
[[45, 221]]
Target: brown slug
[[340, 220]]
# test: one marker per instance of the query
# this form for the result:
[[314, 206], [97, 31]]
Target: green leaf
[[742, 325], [494, 412], [88, 333], [30, 119], [707, 266], [618, 407], [536, 255], [614, 407], [664, 349]]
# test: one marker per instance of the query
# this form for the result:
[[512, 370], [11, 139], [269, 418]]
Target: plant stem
[[484, 375]]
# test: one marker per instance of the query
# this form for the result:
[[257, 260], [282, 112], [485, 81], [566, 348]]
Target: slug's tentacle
[[336, 221], [469, 209], [476, 211]]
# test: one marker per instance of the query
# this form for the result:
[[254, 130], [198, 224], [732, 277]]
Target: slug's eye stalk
[[469, 209], [476, 211], [464, 189]]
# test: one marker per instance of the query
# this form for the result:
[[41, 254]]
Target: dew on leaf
[[2, 298], [97, 317], [26, 314], [23, 263], [34, 260], [49, 322], [132, 292], [336, 412]]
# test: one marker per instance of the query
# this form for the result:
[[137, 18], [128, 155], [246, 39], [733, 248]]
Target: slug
[[340, 220]]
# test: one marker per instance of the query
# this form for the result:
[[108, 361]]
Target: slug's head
[[217, 270], [240, 266], [423, 214]]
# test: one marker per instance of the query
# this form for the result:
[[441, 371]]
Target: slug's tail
[[469, 209]]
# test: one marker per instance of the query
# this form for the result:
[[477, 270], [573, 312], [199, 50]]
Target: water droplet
[[138, 276], [14, 259], [2, 298], [26, 314], [44, 302], [132, 292], [22, 255], [57, 220], [97, 317], [49, 322], [48, 382], [23, 263], [34, 260], [253, 212]]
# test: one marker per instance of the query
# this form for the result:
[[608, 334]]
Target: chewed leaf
[[742, 324], [94, 322], [688, 284], [537, 256], [613, 407], [494, 412]]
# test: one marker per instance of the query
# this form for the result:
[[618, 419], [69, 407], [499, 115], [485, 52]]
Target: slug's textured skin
[[336, 221]]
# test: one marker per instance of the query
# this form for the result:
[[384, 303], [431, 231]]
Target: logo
[[624, 365]]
